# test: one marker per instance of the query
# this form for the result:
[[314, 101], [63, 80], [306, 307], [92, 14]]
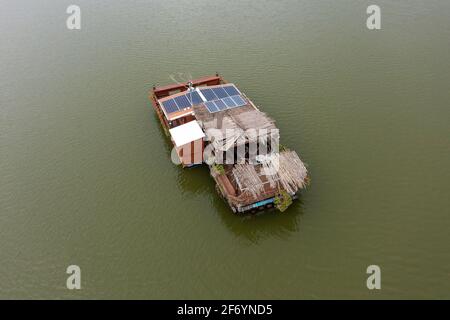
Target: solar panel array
[[219, 92], [215, 99], [225, 103], [222, 98], [182, 102]]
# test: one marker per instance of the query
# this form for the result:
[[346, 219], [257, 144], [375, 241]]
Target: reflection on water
[[263, 225], [195, 180]]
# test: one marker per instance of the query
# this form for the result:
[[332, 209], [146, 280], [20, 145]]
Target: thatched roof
[[244, 122], [292, 172], [273, 172], [284, 170]]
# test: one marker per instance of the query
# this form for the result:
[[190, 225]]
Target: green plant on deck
[[307, 180], [283, 200], [219, 169], [282, 147]]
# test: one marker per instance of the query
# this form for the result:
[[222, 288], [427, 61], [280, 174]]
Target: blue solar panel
[[231, 90], [239, 101], [209, 94], [220, 105], [211, 106], [229, 102], [222, 98], [220, 93], [194, 97], [170, 106], [182, 102]]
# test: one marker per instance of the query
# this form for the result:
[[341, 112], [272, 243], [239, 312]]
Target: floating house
[[212, 122]]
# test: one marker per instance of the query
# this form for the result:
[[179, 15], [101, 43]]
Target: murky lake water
[[85, 175]]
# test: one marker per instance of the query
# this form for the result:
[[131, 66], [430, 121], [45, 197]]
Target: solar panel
[[220, 93], [220, 105], [221, 98], [209, 94], [194, 97], [182, 102], [229, 102], [239, 101], [170, 106], [211, 106], [231, 90]]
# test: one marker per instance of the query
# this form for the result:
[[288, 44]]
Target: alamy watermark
[[374, 280], [73, 22], [74, 280], [374, 20], [232, 146]]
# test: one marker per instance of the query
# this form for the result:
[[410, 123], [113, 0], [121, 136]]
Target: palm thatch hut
[[250, 177]]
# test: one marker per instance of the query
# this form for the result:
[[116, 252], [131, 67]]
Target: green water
[[85, 175]]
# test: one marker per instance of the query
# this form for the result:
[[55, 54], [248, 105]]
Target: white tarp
[[186, 133]]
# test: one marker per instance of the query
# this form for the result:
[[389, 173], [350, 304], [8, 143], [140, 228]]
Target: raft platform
[[211, 121]]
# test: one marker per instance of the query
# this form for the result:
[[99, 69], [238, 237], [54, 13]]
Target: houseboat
[[212, 122]]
